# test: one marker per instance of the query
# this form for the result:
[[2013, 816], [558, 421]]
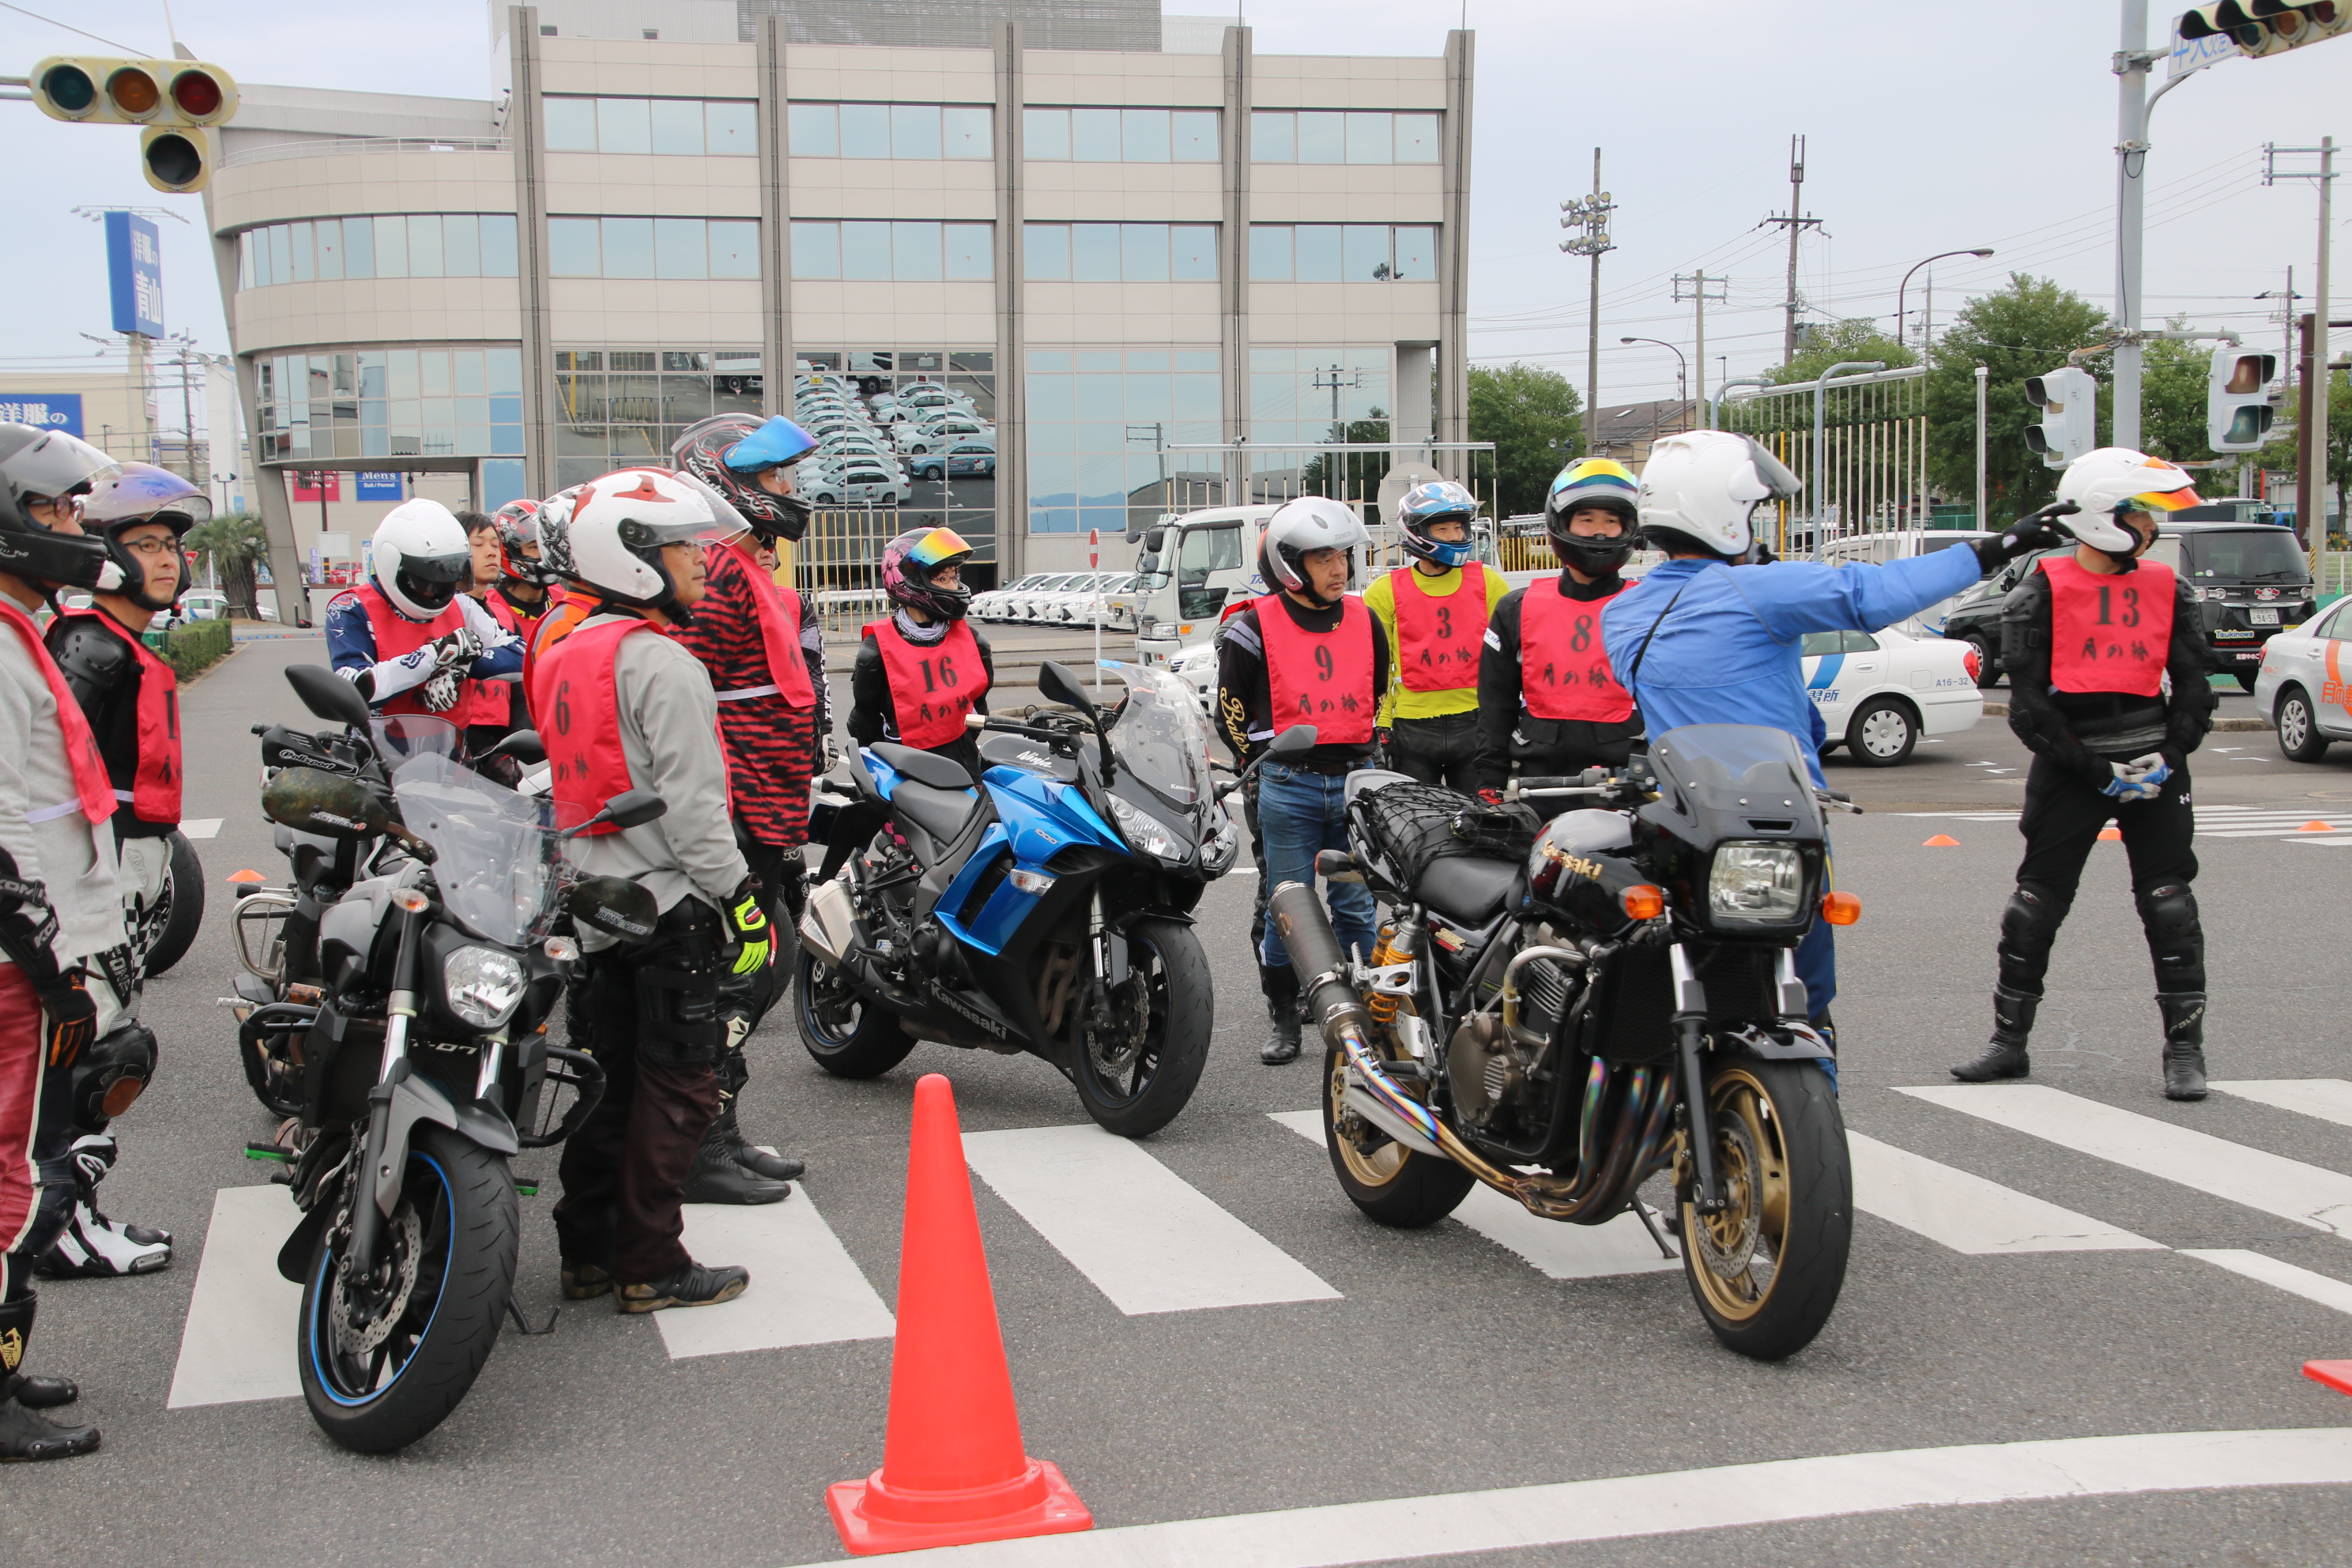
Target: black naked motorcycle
[[396, 1013], [1563, 1009]]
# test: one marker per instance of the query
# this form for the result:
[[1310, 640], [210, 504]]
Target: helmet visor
[[58, 464], [141, 493], [450, 570], [2163, 501], [937, 548], [771, 445]]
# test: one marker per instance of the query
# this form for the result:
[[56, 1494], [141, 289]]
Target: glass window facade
[[1338, 136], [1099, 421], [653, 248], [1120, 135], [665, 127], [1342, 253], [1119, 252], [929, 130], [877, 252], [403, 244], [620, 406], [461, 401], [1291, 392]]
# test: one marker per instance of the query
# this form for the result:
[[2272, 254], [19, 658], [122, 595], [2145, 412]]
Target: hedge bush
[[196, 645]]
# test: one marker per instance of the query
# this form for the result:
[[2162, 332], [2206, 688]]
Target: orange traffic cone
[[2111, 834], [2336, 1374], [1941, 841], [953, 1471]]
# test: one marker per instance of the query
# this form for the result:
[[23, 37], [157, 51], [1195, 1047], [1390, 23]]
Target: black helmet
[[143, 492], [1586, 484], [51, 466]]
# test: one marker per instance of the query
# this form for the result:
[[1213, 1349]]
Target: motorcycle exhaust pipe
[[828, 927], [1332, 1001]]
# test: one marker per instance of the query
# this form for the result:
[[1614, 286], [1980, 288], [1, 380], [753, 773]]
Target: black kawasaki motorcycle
[[1563, 1009]]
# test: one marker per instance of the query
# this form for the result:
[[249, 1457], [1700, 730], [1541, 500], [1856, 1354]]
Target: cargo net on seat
[[1414, 825]]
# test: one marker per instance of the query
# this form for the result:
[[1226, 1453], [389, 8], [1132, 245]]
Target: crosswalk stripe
[[1143, 1236], [2307, 1194], [1968, 1213], [2320, 1288], [805, 1288], [1559, 1251], [201, 827], [237, 1343], [2328, 1098]]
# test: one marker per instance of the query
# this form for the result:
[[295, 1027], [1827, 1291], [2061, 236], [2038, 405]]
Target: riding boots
[[1280, 983], [2184, 1042], [2013, 1021]]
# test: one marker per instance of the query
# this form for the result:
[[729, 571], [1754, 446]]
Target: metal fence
[[837, 564], [1873, 470]]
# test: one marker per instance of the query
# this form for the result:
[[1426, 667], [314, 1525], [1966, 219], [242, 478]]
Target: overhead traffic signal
[[2069, 401], [2239, 400], [175, 99], [2261, 27]]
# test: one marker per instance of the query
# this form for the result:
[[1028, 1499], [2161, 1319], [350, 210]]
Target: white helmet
[[1308, 523], [1700, 487], [614, 538], [421, 558], [555, 530], [2112, 480]]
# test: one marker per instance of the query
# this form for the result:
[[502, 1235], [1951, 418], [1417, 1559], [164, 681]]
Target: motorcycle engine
[[1498, 1071]]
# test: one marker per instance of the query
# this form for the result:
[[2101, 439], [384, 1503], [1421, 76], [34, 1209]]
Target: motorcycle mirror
[[327, 694], [311, 801], [614, 905], [1056, 684], [634, 808], [522, 745], [1291, 742]]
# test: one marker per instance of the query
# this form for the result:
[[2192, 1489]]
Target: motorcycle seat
[[927, 767], [941, 813], [1468, 888]]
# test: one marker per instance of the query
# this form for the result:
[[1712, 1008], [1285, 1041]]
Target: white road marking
[[1969, 1213], [2307, 1194], [1679, 1502], [238, 1342], [805, 1288], [1556, 1250], [2329, 1099], [1144, 1236], [202, 826], [2322, 1289]]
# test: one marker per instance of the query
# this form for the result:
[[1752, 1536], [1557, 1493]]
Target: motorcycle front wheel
[[182, 907], [848, 1034], [384, 1364], [1135, 1085], [1767, 1270]]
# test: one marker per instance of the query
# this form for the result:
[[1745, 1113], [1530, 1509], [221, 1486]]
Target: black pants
[[1440, 751], [654, 1013], [2063, 815]]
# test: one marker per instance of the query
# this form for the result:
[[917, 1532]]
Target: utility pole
[[1354, 379], [2132, 59], [1698, 283], [1795, 224], [1982, 372], [2311, 421], [1591, 215], [188, 412]]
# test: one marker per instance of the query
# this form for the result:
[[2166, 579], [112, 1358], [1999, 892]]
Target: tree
[[236, 543], [2173, 381], [1856, 338], [1359, 473], [2336, 463], [2026, 328], [1535, 419]]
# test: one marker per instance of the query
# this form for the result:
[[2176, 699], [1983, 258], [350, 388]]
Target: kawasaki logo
[[966, 1010]]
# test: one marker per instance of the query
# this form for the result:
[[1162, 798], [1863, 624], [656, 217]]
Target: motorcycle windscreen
[[1161, 736], [1724, 781], [501, 868]]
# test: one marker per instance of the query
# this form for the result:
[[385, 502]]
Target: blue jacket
[[1729, 651]]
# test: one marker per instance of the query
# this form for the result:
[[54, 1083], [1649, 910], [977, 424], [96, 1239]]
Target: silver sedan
[[2305, 685]]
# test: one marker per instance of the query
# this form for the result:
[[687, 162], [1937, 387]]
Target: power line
[[69, 27]]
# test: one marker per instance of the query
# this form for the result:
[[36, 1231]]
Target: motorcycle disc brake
[[1114, 1043], [1726, 1241], [406, 1234]]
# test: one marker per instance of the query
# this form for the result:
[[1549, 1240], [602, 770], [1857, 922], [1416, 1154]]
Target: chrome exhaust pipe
[[829, 926]]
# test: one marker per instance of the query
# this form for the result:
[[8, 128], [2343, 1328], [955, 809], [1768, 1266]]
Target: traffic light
[[2240, 402], [2069, 401], [174, 99], [2261, 27]]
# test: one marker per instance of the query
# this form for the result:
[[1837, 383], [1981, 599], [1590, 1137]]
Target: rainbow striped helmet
[[908, 563]]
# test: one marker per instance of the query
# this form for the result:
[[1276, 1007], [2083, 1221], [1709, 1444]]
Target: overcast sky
[[1930, 126]]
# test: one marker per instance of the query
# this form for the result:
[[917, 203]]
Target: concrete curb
[[2222, 726]]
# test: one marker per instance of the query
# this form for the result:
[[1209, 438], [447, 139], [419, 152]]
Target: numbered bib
[[1564, 670], [2111, 633], [578, 711], [1323, 678], [932, 687], [1439, 638]]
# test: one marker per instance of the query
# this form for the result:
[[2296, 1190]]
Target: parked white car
[[917, 438], [995, 605], [1071, 604], [2304, 684], [1024, 606], [851, 481], [1878, 692]]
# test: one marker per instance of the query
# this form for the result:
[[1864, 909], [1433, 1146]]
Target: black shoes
[[692, 1286], [721, 1175], [2013, 1021], [756, 1160], [1281, 1041], [586, 1281], [2184, 1044], [46, 1393], [25, 1434], [1280, 985]]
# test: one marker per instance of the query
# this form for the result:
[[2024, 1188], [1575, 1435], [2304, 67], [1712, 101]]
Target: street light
[[1681, 370], [1905, 284]]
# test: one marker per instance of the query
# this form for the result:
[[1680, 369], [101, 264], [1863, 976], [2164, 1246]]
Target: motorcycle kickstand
[[1650, 1223], [524, 1323]]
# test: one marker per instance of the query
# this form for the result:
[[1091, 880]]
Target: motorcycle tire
[[458, 1208], [184, 907], [1183, 1016], [869, 1047], [1393, 1185], [1780, 1145]]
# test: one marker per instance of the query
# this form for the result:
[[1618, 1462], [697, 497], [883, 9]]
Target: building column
[[525, 130], [1012, 357], [1233, 263], [777, 355], [1454, 258], [1410, 394]]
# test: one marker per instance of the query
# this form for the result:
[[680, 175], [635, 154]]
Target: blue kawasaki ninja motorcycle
[[1045, 907]]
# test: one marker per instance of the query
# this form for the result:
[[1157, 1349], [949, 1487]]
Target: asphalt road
[[1361, 1364]]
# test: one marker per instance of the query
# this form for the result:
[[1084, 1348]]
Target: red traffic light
[[198, 96]]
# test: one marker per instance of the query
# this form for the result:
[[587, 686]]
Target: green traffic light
[[69, 87]]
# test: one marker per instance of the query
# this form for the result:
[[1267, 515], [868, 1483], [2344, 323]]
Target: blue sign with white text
[[379, 486], [43, 410], [134, 272]]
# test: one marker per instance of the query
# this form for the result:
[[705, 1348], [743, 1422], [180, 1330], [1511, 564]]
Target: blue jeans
[[1300, 812]]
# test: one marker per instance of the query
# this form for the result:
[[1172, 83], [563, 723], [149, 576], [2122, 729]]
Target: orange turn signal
[[411, 899], [1643, 902], [1841, 909]]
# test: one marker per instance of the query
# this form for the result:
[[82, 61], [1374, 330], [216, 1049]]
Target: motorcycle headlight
[[1146, 832], [482, 986], [1756, 884]]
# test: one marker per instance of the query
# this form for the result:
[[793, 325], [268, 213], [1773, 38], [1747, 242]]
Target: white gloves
[[441, 691], [463, 646], [2142, 778]]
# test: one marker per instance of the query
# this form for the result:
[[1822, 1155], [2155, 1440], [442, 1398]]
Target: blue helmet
[[1425, 504], [771, 445]]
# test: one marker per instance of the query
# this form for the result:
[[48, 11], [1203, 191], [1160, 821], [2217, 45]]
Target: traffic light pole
[[2131, 62]]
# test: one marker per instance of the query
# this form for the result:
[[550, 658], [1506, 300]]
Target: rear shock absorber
[[1379, 1004]]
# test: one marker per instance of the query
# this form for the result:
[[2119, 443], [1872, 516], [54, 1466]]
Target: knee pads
[[111, 1073], [2175, 937], [2029, 925]]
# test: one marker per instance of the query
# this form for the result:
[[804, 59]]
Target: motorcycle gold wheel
[[1392, 1185]]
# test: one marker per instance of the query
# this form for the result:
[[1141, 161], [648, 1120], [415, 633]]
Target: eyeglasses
[[153, 548], [64, 508]]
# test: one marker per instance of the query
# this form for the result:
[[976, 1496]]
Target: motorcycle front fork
[[1690, 1035], [375, 1186]]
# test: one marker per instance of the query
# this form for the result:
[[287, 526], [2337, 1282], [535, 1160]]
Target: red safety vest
[[93, 791], [566, 609], [1564, 670], [2109, 633], [779, 633], [396, 635], [155, 793], [1323, 678], [581, 718], [489, 701], [933, 688], [1439, 638]]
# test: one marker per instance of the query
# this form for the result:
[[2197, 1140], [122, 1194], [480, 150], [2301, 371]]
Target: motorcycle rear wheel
[[1138, 1096], [1766, 1272], [1393, 1185], [183, 911], [451, 1240], [866, 1043]]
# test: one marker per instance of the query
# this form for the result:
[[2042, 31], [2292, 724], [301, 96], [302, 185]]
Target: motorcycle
[[408, 984], [1048, 910], [1562, 1009]]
